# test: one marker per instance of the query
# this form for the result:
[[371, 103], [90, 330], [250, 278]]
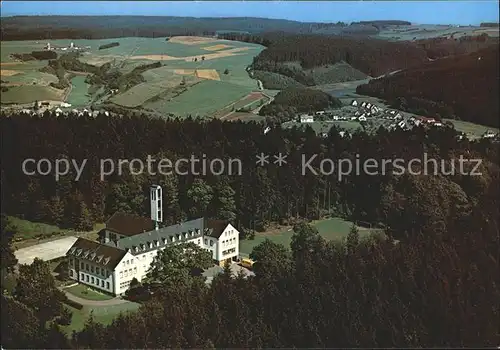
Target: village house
[[129, 244], [305, 118], [354, 103]]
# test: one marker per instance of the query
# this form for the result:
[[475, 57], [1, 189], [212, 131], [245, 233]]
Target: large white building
[[129, 244]]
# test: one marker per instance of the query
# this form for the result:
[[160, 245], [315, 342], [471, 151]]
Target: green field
[[84, 292], [471, 129], [79, 92], [204, 98], [201, 99], [330, 229], [29, 94], [27, 232], [102, 314]]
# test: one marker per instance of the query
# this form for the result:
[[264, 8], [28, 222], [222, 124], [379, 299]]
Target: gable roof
[[101, 254], [128, 224], [216, 227], [155, 239]]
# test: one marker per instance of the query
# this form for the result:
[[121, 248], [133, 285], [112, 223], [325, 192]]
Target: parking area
[[46, 251], [211, 272]]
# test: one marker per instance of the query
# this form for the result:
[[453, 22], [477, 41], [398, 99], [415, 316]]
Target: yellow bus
[[248, 263]]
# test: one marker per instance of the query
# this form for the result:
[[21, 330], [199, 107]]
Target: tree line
[[254, 199]]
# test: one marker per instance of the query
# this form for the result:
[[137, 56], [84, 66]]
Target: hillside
[[372, 57], [293, 100], [101, 27], [465, 87]]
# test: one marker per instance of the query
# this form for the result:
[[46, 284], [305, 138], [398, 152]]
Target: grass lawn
[[102, 314], [30, 233], [85, 292], [330, 229], [471, 129], [79, 92]]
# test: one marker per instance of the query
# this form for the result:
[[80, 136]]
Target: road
[[86, 302]]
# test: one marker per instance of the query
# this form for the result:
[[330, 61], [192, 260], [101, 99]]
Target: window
[[206, 241], [92, 279], [92, 268], [199, 241], [135, 269], [126, 273], [97, 281], [71, 262], [121, 274], [87, 278], [127, 262], [102, 283], [82, 265], [97, 270], [132, 262], [82, 276], [107, 285], [86, 267], [211, 243]]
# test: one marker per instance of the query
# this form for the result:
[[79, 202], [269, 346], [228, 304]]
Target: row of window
[[128, 272], [229, 251], [124, 284], [207, 241], [229, 232], [229, 241], [91, 279], [98, 270]]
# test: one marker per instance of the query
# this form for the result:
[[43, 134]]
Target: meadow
[[334, 229], [470, 129], [104, 315], [156, 92], [79, 95]]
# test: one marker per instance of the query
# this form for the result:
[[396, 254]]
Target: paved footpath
[[87, 302]]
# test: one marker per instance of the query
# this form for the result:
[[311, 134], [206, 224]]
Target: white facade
[[306, 119], [223, 245], [156, 204]]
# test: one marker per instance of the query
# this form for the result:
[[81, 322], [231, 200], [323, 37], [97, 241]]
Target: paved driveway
[[46, 251], [211, 272], [87, 302]]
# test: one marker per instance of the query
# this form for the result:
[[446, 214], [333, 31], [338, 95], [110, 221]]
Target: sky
[[422, 12]]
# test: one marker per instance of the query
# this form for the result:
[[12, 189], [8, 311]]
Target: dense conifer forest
[[463, 87], [254, 199], [436, 285]]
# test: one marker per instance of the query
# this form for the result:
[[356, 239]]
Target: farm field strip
[[217, 47], [211, 56]]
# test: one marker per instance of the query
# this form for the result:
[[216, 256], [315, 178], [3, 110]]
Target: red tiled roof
[[129, 224]]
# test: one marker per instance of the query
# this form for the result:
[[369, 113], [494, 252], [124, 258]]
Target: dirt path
[[86, 302]]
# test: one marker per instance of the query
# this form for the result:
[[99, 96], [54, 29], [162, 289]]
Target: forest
[[462, 87], [438, 289], [300, 100], [103, 27], [35, 55], [255, 199], [431, 283], [107, 46]]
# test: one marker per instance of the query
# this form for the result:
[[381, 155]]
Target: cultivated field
[[426, 31], [249, 102], [218, 65]]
